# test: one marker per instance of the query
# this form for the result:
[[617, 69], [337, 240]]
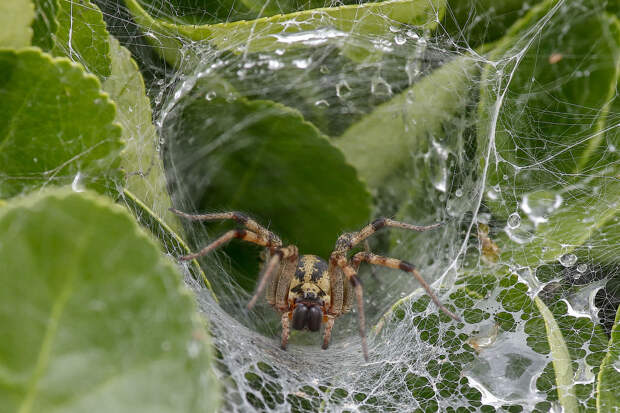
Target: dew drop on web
[[514, 220], [568, 260]]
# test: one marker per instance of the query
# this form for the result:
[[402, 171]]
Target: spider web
[[493, 171]]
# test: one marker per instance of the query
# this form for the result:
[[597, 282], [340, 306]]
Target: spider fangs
[[306, 289]]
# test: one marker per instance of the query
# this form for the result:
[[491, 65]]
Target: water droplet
[[514, 220], [582, 268], [412, 34], [394, 29], [568, 260], [522, 234], [458, 193], [279, 52], [211, 95], [77, 185], [505, 177], [343, 89], [436, 160], [35, 160], [302, 63], [399, 39], [380, 87], [273, 64], [321, 103], [539, 205]]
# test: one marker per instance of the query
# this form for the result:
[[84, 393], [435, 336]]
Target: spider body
[[309, 293], [305, 289]]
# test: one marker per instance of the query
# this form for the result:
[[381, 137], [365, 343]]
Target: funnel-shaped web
[[499, 120]]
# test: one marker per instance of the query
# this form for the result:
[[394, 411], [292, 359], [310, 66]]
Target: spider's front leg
[[285, 329], [404, 266], [327, 334]]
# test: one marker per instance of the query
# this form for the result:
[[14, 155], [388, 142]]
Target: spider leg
[[243, 219], [348, 241], [405, 266], [351, 275], [373, 273], [285, 329], [328, 331], [278, 255], [242, 234]]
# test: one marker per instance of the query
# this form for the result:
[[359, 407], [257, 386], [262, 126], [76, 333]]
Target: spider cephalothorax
[[307, 290]]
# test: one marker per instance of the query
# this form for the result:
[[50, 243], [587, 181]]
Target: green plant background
[[500, 119]]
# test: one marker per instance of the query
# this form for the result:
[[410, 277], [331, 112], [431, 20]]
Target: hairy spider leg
[[404, 266], [242, 234], [351, 275], [328, 331], [243, 219], [348, 241], [285, 330], [278, 255]]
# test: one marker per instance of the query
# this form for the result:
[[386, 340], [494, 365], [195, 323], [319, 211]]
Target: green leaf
[[271, 33], [15, 19], [45, 24], [407, 121], [476, 22], [199, 12], [145, 183], [609, 375], [94, 318], [56, 126], [140, 159], [82, 36], [560, 358], [264, 159]]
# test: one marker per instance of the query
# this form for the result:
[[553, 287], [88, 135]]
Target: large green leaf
[[407, 122], [144, 189], [56, 126], [16, 17], [141, 157], [270, 33], [264, 159], [93, 317], [82, 36], [609, 375]]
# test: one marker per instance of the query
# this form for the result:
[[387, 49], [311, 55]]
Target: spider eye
[[299, 316], [315, 315]]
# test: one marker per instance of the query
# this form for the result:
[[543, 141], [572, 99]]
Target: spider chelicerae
[[307, 290]]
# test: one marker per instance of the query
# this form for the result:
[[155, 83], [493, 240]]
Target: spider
[[307, 290]]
